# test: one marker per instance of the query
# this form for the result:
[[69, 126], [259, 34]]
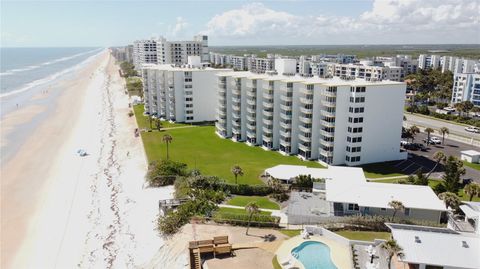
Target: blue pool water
[[314, 255]]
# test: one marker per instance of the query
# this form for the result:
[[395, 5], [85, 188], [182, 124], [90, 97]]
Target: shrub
[[242, 219], [164, 172], [242, 189]]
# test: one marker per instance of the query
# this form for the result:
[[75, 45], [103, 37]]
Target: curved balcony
[[286, 98], [304, 147], [220, 126], [285, 116], [326, 153], [327, 134], [327, 114], [326, 143], [304, 90], [305, 129], [267, 130], [268, 113], [268, 96], [251, 102], [304, 138], [285, 125], [329, 93], [285, 143], [251, 94], [285, 107], [267, 138], [267, 121], [305, 119], [235, 107], [306, 110], [251, 118], [327, 123], [306, 101], [267, 104], [285, 134], [328, 104], [251, 126]]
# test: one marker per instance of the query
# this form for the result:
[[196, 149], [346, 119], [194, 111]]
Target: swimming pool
[[314, 255]]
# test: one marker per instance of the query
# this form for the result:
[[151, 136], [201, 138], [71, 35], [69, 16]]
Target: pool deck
[[340, 254]]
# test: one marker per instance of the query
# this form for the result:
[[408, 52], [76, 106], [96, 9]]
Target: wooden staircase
[[195, 261]]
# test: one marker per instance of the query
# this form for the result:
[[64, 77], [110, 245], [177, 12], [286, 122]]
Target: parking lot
[[424, 159]]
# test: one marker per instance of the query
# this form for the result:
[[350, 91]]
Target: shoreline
[[81, 211]]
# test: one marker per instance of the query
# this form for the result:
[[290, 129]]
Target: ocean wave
[[50, 78], [32, 67]]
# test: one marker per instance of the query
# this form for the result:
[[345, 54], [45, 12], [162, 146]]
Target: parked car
[[472, 129], [436, 140], [403, 143], [411, 146]]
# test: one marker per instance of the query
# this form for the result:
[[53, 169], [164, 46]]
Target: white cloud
[[388, 21], [179, 28]]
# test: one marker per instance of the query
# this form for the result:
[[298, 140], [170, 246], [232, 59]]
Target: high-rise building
[[162, 51], [466, 87], [180, 93], [333, 120]]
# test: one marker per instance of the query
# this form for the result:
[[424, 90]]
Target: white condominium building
[[466, 87], [260, 65], [161, 51], [428, 61], [181, 94], [337, 121], [367, 72]]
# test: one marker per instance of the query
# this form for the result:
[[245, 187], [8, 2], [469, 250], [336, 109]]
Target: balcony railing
[[328, 104], [285, 107], [286, 98], [304, 147], [326, 153], [305, 119], [327, 134], [327, 123], [268, 113], [267, 104], [266, 130], [305, 129], [327, 113], [304, 138], [306, 101]]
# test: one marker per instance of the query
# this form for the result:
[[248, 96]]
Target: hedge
[[249, 190]]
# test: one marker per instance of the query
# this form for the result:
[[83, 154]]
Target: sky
[[288, 22]]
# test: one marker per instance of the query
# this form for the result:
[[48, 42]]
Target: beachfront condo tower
[[333, 120], [180, 93], [161, 51]]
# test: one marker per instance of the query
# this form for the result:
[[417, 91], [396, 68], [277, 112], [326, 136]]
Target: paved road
[[437, 124]]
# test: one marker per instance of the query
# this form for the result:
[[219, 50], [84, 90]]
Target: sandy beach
[[60, 210]]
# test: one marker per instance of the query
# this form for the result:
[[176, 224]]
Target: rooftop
[[470, 152], [437, 246], [185, 67], [308, 80], [349, 185]]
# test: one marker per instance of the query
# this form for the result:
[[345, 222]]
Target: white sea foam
[[32, 67], [47, 79]]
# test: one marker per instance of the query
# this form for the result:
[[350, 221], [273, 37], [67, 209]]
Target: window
[[358, 120], [407, 211], [188, 86], [360, 89], [188, 79], [353, 207], [383, 209], [188, 99], [354, 159], [189, 112], [355, 130], [189, 105], [189, 118]]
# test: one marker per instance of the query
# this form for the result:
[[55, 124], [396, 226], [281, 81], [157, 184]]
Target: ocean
[[22, 69]]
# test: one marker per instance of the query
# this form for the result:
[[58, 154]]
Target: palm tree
[[439, 156], [450, 199], [428, 130], [158, 124], [252, 209], [237, 171], [396, 206], [167, 139], [392, 248], [413, 131], [472, 189], [150, 119], [444, 131]]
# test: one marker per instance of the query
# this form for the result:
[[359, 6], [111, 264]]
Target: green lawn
[[475, 166], [199, 147], [238, 211], [291, 233], [144, 122], [364, 235], [262, 202], [432, 183], [379, 170]]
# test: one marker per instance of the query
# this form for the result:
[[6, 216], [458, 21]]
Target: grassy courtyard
[[199, 147], [262, 202]]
